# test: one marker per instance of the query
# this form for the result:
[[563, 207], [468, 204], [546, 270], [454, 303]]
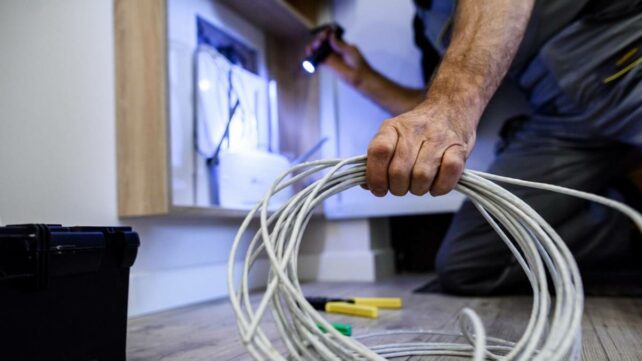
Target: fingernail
[[379, 192]]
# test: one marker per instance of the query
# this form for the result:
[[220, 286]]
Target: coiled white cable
[[552, 333]]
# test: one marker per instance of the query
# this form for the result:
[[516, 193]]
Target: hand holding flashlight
[[321, 48], [329, 49]]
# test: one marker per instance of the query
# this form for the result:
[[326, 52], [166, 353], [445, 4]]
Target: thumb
[[339, 45]]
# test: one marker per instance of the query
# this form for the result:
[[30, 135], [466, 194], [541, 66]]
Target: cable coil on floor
[[552, 333]]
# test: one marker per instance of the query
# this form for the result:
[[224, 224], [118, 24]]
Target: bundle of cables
[[553, 331]]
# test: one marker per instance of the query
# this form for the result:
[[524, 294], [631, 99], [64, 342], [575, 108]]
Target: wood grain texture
[[612, 327], [141, 107], [144, 179], [309, 9], [276, 17]]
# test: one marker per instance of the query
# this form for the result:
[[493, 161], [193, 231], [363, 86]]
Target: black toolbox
[[63, 292]]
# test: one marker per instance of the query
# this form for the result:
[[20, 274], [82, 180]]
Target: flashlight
[[321, 53]]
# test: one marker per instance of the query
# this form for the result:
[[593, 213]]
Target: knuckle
[[396, 172], [421, 181], [453, 165], [389, 123], [385, 124], [438, 138], [380, 149], [416, 126], [421, 175]]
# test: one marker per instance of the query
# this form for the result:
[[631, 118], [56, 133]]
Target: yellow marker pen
[[380, 302], [351, 309]]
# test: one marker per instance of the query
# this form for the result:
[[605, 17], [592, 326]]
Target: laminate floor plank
[[612, 327]]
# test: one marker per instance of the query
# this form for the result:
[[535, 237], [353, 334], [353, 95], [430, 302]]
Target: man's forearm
[[392, 97], [485, 38], [425, 149]]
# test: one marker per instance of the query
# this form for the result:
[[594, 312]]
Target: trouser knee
[[472, 264], [456, 279]]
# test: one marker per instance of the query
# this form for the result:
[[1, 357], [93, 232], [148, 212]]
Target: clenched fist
[[423, 150]]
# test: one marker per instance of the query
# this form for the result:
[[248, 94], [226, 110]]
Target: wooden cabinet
[[142, 100]]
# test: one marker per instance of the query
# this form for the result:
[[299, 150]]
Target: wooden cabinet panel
[[141, 107], [141, 47]]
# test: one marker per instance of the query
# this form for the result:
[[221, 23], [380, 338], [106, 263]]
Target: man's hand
[[421, 151], [346, 60], [424, 150]]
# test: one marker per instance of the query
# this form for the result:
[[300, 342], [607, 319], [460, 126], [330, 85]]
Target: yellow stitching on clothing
[[628, 68], [629, 54]]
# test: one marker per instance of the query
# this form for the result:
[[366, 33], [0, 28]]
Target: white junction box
[[245, 177]]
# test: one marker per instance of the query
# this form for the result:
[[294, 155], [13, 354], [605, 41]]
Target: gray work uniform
[[584, 120]]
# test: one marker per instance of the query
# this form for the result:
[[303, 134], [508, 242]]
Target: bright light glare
[[308, 66], [204, 85]]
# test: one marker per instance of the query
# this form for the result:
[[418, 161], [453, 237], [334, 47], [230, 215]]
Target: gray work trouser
[[474, 260], [584, 123], [580, 132]]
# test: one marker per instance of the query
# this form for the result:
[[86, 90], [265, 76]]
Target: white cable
[[552, 333]]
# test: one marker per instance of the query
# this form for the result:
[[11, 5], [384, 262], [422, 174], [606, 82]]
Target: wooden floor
[[612, 327]]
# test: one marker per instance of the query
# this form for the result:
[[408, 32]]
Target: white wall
[[58, 161], [58, 156]]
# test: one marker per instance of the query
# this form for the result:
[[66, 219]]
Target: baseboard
[[165, 289], [161, 290], [347, 266]]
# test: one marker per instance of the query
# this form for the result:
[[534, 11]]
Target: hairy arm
[[424, 149], [349, 64], [486, 36], [393, 97]]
